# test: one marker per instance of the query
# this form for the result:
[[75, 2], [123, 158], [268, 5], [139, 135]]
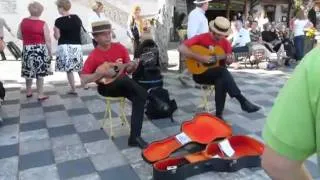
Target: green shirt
[[292, 127]]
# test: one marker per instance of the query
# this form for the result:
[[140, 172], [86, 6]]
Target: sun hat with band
[[220, 25], [201, 1], [100, 26]]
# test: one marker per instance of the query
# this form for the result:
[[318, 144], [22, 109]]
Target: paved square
[[61, 138]]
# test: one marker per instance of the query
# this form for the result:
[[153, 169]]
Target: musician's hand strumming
[[106, 70], [131, 67], [206, 59]]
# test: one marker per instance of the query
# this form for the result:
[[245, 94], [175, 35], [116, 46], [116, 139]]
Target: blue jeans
[[299, 45]]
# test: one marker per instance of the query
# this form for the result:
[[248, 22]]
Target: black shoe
[[249, 107], [137, 142]]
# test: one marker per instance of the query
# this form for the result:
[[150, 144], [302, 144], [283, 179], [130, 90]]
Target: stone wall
[[116, 14], [8, 6]]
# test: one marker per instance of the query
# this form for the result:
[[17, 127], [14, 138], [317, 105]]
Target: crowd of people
[[286, 42]]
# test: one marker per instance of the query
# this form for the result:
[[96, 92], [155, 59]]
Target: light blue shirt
[[241, 38], [197, 23]]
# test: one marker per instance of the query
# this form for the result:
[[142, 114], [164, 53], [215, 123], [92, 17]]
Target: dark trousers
[[128, 88], [3, 56], [135, 45], [240, 49], [275, 47], [224, 83], [299, 45]]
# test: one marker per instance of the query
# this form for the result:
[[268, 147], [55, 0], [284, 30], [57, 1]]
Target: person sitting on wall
[[241, 38]]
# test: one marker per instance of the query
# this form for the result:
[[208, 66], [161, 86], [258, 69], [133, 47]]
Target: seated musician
[[219, 76], [111, 61]]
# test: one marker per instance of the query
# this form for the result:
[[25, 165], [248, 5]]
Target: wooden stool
[[108, 113]]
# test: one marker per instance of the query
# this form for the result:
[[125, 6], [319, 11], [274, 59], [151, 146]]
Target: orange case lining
[[203, 129]]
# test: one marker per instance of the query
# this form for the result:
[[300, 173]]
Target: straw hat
[[201, 1], [220, 25], [100, 26]]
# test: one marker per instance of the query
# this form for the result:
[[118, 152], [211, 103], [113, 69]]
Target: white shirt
[[299, 26], [241, 38], [197, 23]]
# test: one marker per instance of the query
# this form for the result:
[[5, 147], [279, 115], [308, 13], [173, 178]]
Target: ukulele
[[118, 69], [196, 67]]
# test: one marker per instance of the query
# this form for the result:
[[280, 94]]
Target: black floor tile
[[87, 137], [36, 159], [9, 151], [61, 131], [75, 168], [33, 126]]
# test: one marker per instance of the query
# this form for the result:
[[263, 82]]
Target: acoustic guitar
[[196, 67]]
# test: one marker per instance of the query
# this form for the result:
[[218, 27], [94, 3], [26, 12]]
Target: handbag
[[84, 36]]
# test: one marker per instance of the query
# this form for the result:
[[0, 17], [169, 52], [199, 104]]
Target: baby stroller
[[148, 73]]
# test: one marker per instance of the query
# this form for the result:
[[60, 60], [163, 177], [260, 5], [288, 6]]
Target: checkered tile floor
[[61, 137]]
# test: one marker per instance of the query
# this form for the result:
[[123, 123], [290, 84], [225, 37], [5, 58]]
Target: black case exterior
[[218, 165]]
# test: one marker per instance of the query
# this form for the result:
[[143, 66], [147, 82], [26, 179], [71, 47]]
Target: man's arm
[[186, 52], [281, 168], [88, 78], [290, 129], [100, 72]]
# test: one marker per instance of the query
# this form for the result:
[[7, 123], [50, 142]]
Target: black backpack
[[148, 73], [159, 105]]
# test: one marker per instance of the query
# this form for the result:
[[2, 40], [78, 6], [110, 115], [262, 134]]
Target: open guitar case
[[222, 152]]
